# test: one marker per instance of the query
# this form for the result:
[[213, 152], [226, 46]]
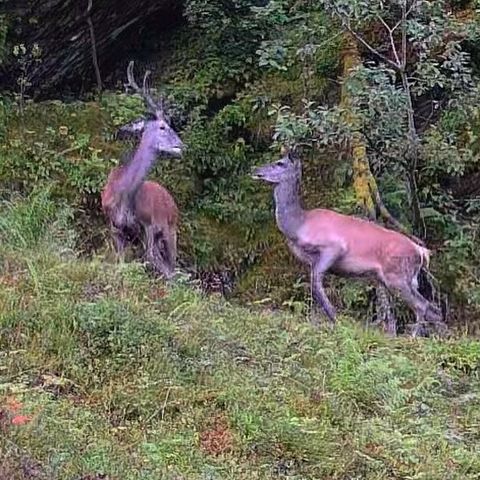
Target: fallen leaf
[[21, 419]]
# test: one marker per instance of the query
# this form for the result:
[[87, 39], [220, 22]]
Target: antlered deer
[[345, 245], [135, 206]]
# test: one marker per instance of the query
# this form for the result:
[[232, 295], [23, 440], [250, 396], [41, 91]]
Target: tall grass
[[121, 375], [27, 222]]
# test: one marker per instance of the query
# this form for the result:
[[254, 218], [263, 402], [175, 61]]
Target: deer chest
[[302, 253]]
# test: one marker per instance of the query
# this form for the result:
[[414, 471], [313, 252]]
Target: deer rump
[[150, 216]]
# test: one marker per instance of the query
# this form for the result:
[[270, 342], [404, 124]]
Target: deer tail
[[424, 254]]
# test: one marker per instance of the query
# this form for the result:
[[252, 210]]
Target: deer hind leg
[[321, 265], [166, 251], [433, 313], [403, 280]]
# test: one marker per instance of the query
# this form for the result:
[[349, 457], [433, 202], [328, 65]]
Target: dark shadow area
[[64, 69]]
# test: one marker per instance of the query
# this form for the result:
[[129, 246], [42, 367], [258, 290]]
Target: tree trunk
[[365, 186]]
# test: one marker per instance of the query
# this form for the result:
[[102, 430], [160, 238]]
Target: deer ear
[[132, 129], [296, 161], [293, 157]]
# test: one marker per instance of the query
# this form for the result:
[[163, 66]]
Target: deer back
[[365, 245]]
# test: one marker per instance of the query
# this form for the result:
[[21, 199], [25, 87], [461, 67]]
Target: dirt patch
[[54, 384], [11, 414], [217, 438], [13, 467], [97, 476]]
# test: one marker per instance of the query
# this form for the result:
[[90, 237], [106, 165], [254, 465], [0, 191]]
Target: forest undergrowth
[[107, 373]]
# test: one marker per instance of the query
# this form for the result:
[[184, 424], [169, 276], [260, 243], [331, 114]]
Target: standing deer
[[135, 206], [345, 245]]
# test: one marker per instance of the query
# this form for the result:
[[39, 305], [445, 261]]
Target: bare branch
[[404, 34], [372, 49], [403, 22], [396, 25], [392, 40], [412, 6], [359, 38], [385, 214], [93, 45]]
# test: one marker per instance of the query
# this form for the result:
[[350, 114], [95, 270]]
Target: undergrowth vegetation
[[105, 372]]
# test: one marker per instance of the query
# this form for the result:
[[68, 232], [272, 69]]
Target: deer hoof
[[419, 330]]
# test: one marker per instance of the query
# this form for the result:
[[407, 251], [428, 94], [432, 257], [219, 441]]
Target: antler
[[143, 92], [160, 103]]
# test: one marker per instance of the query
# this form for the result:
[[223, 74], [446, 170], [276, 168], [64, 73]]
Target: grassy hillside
[[105, 373]]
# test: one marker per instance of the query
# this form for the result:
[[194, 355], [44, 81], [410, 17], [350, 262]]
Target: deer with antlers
[[345, 245], [136, 207]]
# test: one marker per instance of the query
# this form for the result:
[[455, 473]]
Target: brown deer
[[138, 208], [346, 245]]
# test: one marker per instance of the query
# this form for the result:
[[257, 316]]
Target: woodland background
[[381, 99]]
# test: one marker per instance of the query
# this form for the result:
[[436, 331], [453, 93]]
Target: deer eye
[[280, 163]]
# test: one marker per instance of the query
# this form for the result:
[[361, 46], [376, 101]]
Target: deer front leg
[[155, 251], [119, 241], [321, 265], [166, 248], [150, 249]]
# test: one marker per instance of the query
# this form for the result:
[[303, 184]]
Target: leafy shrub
[[27, 222]]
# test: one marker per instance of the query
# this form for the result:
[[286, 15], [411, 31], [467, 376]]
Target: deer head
[[287, 169], [153, 129]]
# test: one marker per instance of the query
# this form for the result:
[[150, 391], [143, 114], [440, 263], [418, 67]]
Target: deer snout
[[257, 173], [178, 149]]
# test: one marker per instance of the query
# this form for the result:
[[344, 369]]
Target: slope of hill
[[106, 373]]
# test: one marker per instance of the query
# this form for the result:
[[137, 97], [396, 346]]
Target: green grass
[[125, 376]]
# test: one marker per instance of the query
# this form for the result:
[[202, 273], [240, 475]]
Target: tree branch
[[94, 46], [387, 216], [403, 22], [392, 40], [404, 34], [359, 38]]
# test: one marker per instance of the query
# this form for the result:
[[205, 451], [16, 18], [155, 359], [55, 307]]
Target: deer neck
[[288, 209], [135, 171]]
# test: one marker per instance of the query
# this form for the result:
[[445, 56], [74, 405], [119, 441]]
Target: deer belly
[[354, 266]]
